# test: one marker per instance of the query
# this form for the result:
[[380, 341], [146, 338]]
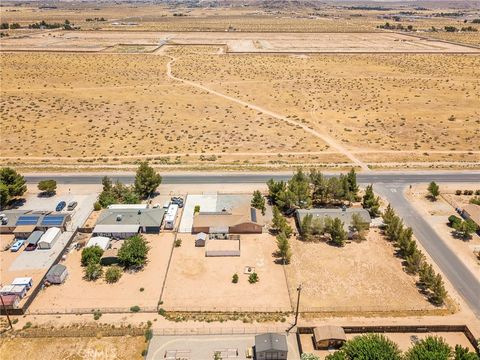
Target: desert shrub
[[97, 206], [453, 220], [135, 308], [196, 210], [148, 334], [178, 242], [113, 274], [97, 314], [235, 278], [458, 192], [93, 271], [253, 278], [91, 254]]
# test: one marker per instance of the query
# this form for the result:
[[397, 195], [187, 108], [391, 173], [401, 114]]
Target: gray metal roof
[[57, 270], [270, 342], [145, 217], [34, 237], [344, 215]]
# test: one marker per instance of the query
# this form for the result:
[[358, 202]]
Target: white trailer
[[49, 238], [171, 216]]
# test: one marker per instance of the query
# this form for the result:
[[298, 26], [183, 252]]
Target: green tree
[[93, 271], [91, 254], [235, 278], [258, 201], [465, 229], [134, 252], [433, 190], [49, 187], [11, 180], [113, 274], [388, 215], [427, 275], [371, 202], [284, 251], [107, 184], [414, 262], [454, 221], [394, 229], [306, 227], [360, 225], [4, 195], [439, 294], [352, 182], [299, 189], [253, 278], [280, 224], [306, 356], [371, 347], [275, 188], [432, 347], [335, 228], [463, 353], [146, 180]]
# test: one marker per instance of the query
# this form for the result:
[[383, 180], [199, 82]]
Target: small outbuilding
[[10, 301], [57, 274], [26, 281], [48, 240], [200, 239], [101, 241], [109, 257], [271, 346], [19, 290], [328, 337]]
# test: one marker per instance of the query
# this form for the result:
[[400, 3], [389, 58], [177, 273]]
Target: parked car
[[72, 205], [61, 205], [178, 201], [30, 247], [17, 246]]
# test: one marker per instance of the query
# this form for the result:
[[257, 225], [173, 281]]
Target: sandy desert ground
[[84, 348], [353, 278]]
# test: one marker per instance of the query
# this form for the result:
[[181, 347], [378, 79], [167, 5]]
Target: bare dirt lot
[[77, 294], [83, 348], [353, 278], [199, 283]]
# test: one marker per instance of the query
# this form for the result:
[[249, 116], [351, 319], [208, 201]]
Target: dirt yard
[[106, 348], [359, 277], [199, 283], [77, 293]]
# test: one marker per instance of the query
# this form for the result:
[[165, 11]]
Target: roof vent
[[139, 212], [119, 217]]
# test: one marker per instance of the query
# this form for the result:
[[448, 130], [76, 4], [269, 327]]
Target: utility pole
[[299, 290], [6, 313]]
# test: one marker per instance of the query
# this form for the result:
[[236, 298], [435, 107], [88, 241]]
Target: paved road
[[464, 281], [235, 178]]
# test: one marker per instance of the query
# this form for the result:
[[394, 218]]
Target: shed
[[23, 231], [222, 248], [109, 257], [328, 336], [101, 241], [35, 237], [19, 290], [27, 281], [200, 239], [171, 216], [57, 274], [47, 241], [115, 231], [271, 346], [10, 301]]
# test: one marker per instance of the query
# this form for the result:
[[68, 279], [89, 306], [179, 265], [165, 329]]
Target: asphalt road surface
[[464, 281], [235, 178]]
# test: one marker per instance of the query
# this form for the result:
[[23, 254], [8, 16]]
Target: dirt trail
[[325, 138]]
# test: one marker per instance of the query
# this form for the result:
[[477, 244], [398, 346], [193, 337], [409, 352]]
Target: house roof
[[100, 241], [201, 236], [35, 237], [329, 332], [24, 229], [344, 215], [10, 300], [223, 220], [57, 270], [473, 212], [142, 217], [270, 342], [115, 228]]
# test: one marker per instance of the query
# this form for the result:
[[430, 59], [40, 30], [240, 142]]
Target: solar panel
[[53, 220], [27, 220]]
